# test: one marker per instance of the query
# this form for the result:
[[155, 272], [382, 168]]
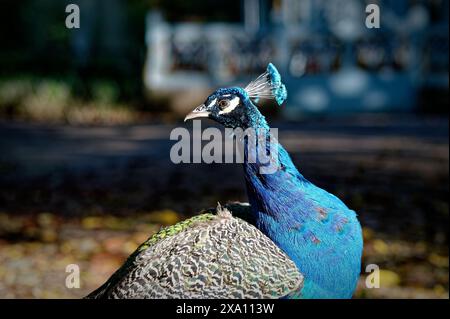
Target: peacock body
[[207, 256], [295, 240]]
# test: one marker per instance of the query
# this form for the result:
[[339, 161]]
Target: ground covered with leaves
[[90, 195]]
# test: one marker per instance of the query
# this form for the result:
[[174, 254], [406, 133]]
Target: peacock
[[292, 240]]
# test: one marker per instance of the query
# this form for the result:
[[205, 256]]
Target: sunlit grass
[[54, 101]]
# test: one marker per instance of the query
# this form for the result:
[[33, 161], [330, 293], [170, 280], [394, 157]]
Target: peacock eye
[[223, 104]]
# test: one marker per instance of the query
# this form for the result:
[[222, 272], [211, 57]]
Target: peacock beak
[[199, 111]]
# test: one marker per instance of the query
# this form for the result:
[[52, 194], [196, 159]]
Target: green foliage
[[47, 101], [55, 100], [105, 92]]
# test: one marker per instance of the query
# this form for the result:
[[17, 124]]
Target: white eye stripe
[[233, 104], [212, 103]]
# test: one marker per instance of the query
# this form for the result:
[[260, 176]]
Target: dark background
[[85, 173]]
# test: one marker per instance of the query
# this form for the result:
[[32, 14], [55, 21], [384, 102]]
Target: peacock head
[[234, 107]]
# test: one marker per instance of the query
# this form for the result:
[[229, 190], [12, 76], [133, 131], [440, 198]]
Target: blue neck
[[315, 229]]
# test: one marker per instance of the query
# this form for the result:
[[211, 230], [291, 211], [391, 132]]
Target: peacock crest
[[268, 85]]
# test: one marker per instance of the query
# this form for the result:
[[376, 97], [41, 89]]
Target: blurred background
[[85, 118]]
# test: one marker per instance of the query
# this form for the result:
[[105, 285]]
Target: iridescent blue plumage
[[268, 85], [306, 243], [278, 89], [315, 228]]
